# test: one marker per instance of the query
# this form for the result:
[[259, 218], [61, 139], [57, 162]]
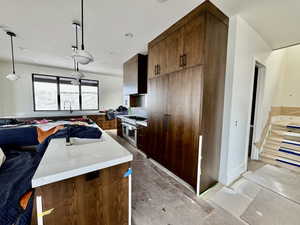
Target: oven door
[[130, 133]]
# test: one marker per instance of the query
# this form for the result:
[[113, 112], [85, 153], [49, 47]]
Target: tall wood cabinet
[[186, 94]]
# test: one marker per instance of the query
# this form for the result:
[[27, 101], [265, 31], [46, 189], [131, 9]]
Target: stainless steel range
[[129, 128]]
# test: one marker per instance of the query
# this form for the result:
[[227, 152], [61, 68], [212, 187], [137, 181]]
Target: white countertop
[[142, 123], [61, 162], [51, 114]]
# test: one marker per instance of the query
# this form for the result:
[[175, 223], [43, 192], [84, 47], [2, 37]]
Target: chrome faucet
[[70, 105]]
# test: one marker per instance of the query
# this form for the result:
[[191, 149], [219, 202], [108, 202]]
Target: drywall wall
[[16, 97], [288, 91], [276, 65], [245, 46]]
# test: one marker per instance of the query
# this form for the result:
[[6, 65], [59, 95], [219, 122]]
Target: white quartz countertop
[[52, 114], [142, 123], [62, 162]]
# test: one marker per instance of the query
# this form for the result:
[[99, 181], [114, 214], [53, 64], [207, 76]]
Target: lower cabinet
[[97, 198], [103, 122], [119, 127], [142, 139], [174, 123]]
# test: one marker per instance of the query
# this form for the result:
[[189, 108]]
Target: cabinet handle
[[158, 69], [180, 61], [184, 57]]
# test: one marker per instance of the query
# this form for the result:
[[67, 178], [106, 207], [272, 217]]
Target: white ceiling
[[45, 34]]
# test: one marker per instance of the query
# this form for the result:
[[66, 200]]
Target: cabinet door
[[131, 76], [157, 59], [119, 127], [157, 108], [193, 41], [174, 43], [142, 139], [184, 110]]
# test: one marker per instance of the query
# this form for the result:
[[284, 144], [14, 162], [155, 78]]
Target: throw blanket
[[19, 168]]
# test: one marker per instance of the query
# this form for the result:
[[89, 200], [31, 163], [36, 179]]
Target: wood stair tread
[[286, 154]]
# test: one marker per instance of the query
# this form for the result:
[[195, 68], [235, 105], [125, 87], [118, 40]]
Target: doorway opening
[[253, 108], [256, 106]]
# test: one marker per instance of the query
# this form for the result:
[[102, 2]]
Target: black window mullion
[[80, 96], [58, 94]]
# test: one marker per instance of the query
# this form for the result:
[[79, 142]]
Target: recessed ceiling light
[[129, 35]]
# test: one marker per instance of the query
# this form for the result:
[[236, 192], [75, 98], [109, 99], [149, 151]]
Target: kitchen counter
[[51, 115], [142, 123], [125, 117], [62, 162]]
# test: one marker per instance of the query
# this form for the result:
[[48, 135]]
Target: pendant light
[[76, 74], [12, 76], [81, 55]]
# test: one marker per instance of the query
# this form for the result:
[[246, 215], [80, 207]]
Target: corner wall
[[16, 98], [245, 46]]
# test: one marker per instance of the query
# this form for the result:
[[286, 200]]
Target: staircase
[[282, 145]]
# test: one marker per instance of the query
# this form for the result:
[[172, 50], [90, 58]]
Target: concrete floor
[[159, 199]]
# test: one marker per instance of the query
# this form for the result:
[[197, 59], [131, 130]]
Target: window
[[89, 94], [52, 93], [69, 95]]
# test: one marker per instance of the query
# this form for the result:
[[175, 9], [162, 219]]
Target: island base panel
[[98, 198]]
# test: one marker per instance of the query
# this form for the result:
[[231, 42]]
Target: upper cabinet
[[135, 75], [193, 42], [178, 49]]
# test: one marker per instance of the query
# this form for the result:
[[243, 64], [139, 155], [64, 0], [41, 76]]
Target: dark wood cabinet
[[157, 117], [174, 121], [119, 127], [180, 49], [193, 42], [158, 61], [135, 75], [100, 197], [185, 100], [183, 118], [142, 138], [174, 51]]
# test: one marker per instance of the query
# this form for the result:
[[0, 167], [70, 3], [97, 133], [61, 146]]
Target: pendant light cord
[[82, 26], [76, 63], [76, 30], [12, 54]]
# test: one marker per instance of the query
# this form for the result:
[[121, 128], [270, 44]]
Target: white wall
[[288, 91], [16, 96], [244, 47]]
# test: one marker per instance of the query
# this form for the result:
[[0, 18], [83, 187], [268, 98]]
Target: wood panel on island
[[186, 95], [100, 197]]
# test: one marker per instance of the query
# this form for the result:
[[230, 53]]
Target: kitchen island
[[87, 183]]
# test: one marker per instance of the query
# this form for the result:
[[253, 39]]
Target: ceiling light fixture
[[12, 76], [81, 55], [76, 74]]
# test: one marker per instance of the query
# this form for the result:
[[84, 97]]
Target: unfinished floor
[[258, 198]]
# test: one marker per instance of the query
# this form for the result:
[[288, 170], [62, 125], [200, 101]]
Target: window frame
[[58, 94]]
